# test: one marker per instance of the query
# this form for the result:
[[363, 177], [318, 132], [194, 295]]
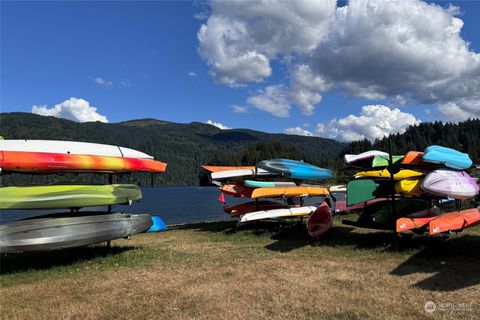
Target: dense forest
[[185, 147]]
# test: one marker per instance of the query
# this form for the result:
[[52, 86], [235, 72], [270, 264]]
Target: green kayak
[[362, 190], [382, 162], [67, 196], [403, 207]]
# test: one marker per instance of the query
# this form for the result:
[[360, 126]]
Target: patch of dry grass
[[216, 271]]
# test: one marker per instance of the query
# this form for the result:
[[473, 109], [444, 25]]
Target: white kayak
[[349, 158], [242, 173], [71, 147], [339, 188], [278, 213]]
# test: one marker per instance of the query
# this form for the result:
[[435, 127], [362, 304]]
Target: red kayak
[[453, 221], [42, 162], [251, 206], [320, 222]]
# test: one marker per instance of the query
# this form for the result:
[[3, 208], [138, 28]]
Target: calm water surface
[[175, 205]]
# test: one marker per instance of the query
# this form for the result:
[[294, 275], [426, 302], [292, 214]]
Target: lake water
[[175, 205]]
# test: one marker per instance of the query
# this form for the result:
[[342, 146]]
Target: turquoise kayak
[[268, 184], [448, 157]]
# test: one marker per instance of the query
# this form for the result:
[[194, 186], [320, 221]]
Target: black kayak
[[69, 231]]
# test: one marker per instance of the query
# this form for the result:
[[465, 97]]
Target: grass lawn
[[214, 270]]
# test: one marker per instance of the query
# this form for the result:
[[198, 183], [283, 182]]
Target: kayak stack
[[275, 191], [69, 226], [407, 192]]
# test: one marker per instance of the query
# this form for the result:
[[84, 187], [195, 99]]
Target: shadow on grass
[[453, 260], [19, 262]]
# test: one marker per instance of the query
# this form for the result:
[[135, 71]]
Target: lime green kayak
[[382, 162], [67, 196]]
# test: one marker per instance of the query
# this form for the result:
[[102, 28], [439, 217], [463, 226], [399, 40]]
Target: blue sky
[[135, 60]]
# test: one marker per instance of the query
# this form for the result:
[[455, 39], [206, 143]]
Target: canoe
[[71, 147], [294, 169], [288, 192], [362, 190], [403, 207], [352, 158], [236, 189], [383, 162], [251, 206], [45, 234], [385, 174], [450, 183], [43, 162], [226, 168], [268, 184], [448, 157], [240, 174], [320, 222], [67, 196], [278, 213], [455, 221], [410, 186]]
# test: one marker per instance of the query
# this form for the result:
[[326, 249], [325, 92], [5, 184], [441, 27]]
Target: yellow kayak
[[409, 186], [402, 174], [288, 192]]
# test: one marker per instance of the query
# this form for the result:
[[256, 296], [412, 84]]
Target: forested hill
[[187, 146], [183, 146], [463, 136]]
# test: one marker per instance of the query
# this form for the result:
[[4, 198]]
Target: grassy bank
[[214, 270]]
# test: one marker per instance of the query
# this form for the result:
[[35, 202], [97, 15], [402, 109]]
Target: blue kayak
[[448, 157], [295, 169], [158, 225]]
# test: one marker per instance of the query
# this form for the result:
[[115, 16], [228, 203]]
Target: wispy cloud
[[103, 82], [192, 74], [239, 109]]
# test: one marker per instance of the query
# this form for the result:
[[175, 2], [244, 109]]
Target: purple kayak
[[449, 183]]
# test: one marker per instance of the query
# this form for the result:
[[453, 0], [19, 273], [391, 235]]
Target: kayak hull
[[46, 234]]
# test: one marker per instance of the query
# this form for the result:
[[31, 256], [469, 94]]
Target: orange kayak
[[404, 224], [44, 162], [453, 221], [237, 190], [227, 168]]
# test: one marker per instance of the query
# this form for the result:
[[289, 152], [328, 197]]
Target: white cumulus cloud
[[240, 38], [299, 131], [374, 122], [74, 109], [217, 124], [372, 49]]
